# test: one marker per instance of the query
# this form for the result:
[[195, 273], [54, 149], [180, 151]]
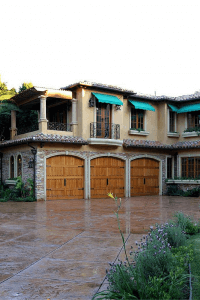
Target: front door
[[103, 120]]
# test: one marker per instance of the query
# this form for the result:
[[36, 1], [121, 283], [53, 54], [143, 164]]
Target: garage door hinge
[[48, 166], [81, 189], [80, 166], [48, 189]]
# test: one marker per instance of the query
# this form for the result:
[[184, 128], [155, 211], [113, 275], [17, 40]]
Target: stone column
[[43, 119], [74, 122], [13, 129]]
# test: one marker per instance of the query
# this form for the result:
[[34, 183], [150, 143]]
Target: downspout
[[34, 152]]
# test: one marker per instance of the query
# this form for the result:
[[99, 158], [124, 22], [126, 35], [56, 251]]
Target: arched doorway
[[64, 177], [144, 177]]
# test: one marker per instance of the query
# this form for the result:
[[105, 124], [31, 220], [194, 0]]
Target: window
[[137, 118], [193, 119], [19, 165], [172, 121], [190, 167], [169, 167], [12, 168]]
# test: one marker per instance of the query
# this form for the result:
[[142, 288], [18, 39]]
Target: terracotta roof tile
[[51, 138], [155, 144], [145, 144]]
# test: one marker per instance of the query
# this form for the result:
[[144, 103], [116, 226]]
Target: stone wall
[[26, 172]]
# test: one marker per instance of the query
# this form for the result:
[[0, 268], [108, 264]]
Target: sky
[[145, 46]]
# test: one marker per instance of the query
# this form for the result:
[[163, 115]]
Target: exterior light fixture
[[30, 163]]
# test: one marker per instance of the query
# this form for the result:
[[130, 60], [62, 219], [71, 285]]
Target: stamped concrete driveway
[[61, 249]]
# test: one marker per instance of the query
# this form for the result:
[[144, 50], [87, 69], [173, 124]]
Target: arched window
[[12, 167], [19, 165]]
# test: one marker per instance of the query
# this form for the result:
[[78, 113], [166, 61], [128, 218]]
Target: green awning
[[189, 108], [142, 105], [103, 98], [173, 108]]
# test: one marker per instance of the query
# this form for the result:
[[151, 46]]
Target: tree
[[27, 118], [6, 94], [25, 86], [5, 112]]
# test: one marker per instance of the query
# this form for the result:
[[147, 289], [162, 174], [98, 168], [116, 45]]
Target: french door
[[103, 120]]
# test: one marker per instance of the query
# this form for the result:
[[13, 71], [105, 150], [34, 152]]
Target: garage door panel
[[107, 175], [144, 177], [64, 178]]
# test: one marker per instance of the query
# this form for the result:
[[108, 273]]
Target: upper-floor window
[[12, 167], [137, 118], [172, 121], [19, 165], [193, 119], [190, 167]]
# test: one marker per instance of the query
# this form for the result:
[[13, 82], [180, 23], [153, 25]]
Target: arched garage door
[[144, 177], [64, 177], [107, 175]]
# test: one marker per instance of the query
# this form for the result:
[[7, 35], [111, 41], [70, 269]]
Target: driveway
[[61, 249]]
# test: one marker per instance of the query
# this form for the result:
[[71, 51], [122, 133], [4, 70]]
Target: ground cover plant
[[20, 193], [159, 267]]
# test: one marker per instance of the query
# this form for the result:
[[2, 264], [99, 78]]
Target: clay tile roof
[[99, 85], [50, 138], [188, 144], [145, 144], [155, 144]]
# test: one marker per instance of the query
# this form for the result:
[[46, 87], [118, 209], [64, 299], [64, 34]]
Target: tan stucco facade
[[80, 115]]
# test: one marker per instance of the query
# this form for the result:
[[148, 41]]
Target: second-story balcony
[[105, 134], [59, 126]]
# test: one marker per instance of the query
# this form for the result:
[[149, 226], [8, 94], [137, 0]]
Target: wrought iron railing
[[59, 126], [104, 130], [26, 129]]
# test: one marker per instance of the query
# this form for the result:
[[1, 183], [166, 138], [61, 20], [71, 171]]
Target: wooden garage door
[[64, 178], [107, 175], [144, 177]]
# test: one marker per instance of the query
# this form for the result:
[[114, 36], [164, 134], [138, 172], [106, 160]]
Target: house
[[92, 139]]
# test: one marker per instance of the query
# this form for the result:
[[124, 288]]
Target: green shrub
[[172, 190], [24, 199], [186, 223], [3, 200], [192, 193]]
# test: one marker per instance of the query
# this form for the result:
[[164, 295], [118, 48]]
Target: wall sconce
[[118, 107], [30, 163]]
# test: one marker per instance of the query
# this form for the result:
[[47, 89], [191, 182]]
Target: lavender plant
[[154, 271]]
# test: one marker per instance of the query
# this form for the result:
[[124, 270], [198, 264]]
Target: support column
[[13, 129], [43, 119], [74, 122]]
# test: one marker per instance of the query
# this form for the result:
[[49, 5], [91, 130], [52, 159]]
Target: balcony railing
[[59, 126], [104, 130], [26, 129]]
